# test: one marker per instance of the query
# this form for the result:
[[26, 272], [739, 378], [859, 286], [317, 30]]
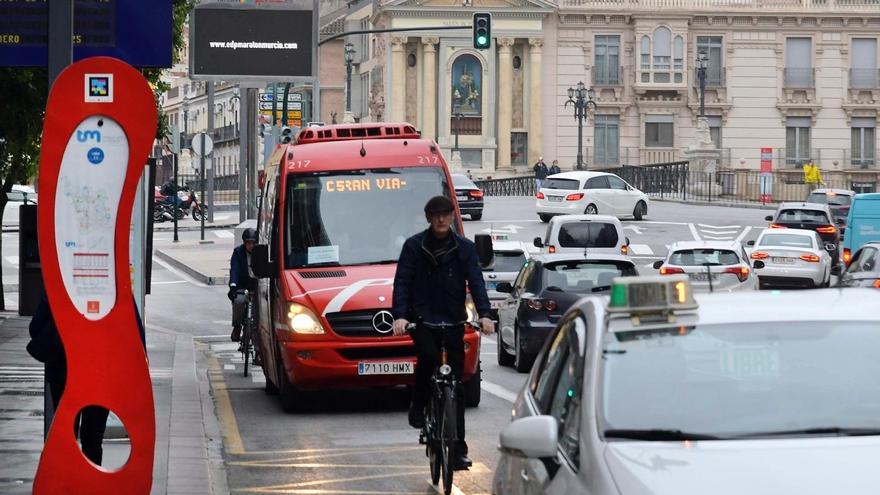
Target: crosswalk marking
[[34, 373], [718, 226], [716, 238], [641, 249], [224, 234]]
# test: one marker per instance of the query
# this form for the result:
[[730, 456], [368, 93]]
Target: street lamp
[[349, 59], [581, 98], [702, 64], [456, 112]]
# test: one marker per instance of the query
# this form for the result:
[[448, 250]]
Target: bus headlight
[[301, 319]]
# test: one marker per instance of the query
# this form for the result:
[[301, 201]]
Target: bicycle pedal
[[423, 440]]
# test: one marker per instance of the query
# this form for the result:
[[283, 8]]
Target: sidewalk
[[207, 263], [187, 458], [717, 202]]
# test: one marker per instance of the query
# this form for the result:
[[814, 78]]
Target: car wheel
[[476, 216], [640, 210], [591, 210], [544, 218], [521, 362], [504, 357], [292, 399], [472, 390]]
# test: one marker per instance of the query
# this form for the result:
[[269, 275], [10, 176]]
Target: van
[[863, 223], [598, 234], [336, 208]]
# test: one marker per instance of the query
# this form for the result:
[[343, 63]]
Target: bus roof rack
[[349, 132]]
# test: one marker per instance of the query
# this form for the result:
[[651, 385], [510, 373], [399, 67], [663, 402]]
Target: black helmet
[[439, 204], [249, 235]]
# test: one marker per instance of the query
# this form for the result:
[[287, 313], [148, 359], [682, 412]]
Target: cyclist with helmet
[[435, 269], [241, 278]]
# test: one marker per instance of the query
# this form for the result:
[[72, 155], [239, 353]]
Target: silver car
[[791, 258], [510, 256], [652, 394], [711, 265]]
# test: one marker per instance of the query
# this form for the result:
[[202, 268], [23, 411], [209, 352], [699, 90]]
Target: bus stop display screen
[[236, 43]]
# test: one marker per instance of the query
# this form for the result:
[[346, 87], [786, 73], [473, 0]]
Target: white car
[[602, 234], [657, 392], [591, 193], [791, 258], [710, 265], [19, 195], [510, 256]]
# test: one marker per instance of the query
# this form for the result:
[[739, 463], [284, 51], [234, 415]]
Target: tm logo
[[70, 244], [83, 136]]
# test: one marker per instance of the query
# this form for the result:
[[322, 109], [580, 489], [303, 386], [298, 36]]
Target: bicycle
[[248, 329], [440, 433]]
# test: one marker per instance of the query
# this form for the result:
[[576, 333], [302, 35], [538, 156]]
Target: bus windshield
[[356, 217]]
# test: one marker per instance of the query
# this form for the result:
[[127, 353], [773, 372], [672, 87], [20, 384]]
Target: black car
[[838, 200], [543, 291], [468, 195], [811, 216]]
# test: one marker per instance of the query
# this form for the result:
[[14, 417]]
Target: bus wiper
[[601, 288], [821, 430], [658, 435]]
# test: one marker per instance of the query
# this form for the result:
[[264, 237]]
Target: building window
[[712, 47], [659, 131], [863, 143], [606, 71], [678, 60], [715, 131], [798, 63], [797, 141], [662, 55], [517, 62], [365, 94], [519, 148], [863, 73], [606, 140], [646, 57]]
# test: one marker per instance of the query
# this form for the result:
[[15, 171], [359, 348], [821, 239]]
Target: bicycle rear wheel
[[434, 457], [448, 434]]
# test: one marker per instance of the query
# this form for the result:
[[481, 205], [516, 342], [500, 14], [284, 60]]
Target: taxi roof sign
[[651, 294]]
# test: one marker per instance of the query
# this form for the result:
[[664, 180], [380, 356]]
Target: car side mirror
[[538, 242], [504, 287], [657, 264], [532, 437], [485, 252], [758, 264], [627, 241], [260, 263], [750, 243], [769, 218], [829, 247]]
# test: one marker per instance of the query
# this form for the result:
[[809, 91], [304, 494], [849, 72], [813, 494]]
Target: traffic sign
[[271, 96], [197, 144]]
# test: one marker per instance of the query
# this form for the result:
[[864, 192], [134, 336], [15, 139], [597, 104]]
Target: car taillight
[[826, 229], [541, 304], [551, 249], [540, 195], [876, 284], [574, 197], [812, 258], [475, 194], [847, 256], [741, 272], [777, 226], [759, 255], [670, 270], [624, 249]]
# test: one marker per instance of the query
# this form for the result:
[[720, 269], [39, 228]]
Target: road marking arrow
[[507, 229], [637, 230]]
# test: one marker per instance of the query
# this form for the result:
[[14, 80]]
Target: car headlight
[[301, 319]]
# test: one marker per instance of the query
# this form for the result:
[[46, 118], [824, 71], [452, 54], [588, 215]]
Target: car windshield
[[462, 182], [356, 217], [587, 234], [570, 184], [803, 216], [584, 276], [730, 380], [700, 257], [792, 240], [830, 199], [508, 261]]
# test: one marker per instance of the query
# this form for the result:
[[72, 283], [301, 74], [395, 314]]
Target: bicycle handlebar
[[443, 326]]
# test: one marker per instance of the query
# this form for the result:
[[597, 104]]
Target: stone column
[[505, 101], [429, 84], [398, 79], [536, 135]]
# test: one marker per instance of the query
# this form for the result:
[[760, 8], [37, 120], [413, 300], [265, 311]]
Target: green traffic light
[[481, 40]]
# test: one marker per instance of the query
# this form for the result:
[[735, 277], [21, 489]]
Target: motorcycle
[[188, 203]]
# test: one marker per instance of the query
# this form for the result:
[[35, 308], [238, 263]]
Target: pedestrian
[[469, 176], [46, 347], [241, 278], [541, 172], [812, 176], [554, 168]]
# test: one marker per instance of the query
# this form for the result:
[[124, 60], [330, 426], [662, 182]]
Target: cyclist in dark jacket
[[241, 277], [435, 269]]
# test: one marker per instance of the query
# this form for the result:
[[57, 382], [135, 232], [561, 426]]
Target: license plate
[[702, 277], [781, 261], [554, 198], [496, 304], [385, 368], [461, 198]]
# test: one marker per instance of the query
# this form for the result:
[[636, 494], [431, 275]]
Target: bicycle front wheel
[[448, 435], [246, 346]]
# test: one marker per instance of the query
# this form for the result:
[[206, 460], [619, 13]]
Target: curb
[[752, 206], [192, 272]]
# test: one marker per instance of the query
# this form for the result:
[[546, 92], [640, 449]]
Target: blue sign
[[96, 156], [135, 31]]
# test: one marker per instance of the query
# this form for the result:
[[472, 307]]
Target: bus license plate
[[385, 368]]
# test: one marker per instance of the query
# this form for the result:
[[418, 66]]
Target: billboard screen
[[252, 43]]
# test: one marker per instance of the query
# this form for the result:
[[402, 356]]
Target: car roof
[[579, 256], [703, 244], [584, 218], [578, 175], [844, 192], [802, 206], [872, 196], [813, 305]]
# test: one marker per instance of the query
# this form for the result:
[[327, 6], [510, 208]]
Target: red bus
[[337, 206]]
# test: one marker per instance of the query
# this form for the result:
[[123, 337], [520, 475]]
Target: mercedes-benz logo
[[383, 321]]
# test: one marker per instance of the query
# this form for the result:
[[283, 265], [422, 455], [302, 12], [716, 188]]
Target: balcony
[[864, 79], [225, 133], [799, 78], [660, 77]]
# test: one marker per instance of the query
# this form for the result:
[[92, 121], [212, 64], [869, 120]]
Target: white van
[[584, 233], [572, 193]]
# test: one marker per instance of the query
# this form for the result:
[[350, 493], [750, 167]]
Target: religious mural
[[467, 85]]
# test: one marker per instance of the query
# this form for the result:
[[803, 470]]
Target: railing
[[799, 78], [467, 126], [225, 133], [609, 77], [516, 186], [719, 81], [864, 79], [851, 6], [221, 183], [660, 76]]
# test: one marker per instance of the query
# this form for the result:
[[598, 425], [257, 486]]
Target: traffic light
[[286, 135], [482, 30]]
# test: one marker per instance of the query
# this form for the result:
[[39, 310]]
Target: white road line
[[231, 346], [498, 391], [224, 234], [641, 249], [716, 238], [719, 232], [694, 232], [662, 223], [170, 282], [13, 260], [230, 367], [257, 375], [718, 226], [178, 272], [742, 236]]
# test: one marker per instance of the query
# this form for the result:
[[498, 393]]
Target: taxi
[[657, 391]]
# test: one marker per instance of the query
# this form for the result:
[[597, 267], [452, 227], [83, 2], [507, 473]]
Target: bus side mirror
[[260, 261], [485, 252]]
